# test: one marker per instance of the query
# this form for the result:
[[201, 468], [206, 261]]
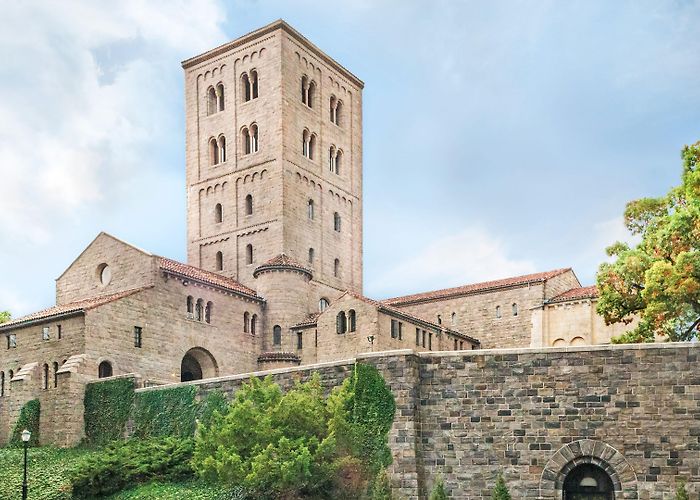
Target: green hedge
[[173, 412], [107, 409], [28, 419]]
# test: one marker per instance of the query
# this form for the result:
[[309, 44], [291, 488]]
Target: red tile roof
[[73, 307], [198, 274], [476, 288], [279, 356], [282, 261], [310, 320], [584, 292]]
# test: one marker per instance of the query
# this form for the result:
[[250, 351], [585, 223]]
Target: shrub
[[438, 492], [681, 492], [28, 419], [126, 463], [381, 489], [107, 408], [500, 491]]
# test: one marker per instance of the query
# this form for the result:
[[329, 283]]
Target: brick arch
[[588, 451]]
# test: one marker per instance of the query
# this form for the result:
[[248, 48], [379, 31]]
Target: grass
[[49, 469]]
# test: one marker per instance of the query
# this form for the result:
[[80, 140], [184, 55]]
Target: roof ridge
[[580, 292], [479, 286], [197, 273]]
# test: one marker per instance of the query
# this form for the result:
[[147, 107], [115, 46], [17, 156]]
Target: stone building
[[274, 272]]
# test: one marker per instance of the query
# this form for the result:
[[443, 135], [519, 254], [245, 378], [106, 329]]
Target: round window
[[105, 274]]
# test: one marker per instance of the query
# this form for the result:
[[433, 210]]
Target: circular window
[[104, 272]]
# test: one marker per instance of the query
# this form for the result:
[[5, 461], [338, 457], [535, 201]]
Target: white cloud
[[471, 256]]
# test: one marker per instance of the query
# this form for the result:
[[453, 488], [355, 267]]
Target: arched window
[[323, 304], [341, 323], [515, 309], [249, 254], [311, 255], [254, 83], [254, 138], [190, 304], [311, 94], [352, 326], [439, 319], [249, 205], [336, 221], [55, 374], [220, 96], [104, 370], [304, 87], [253, 324], [312, 146], [2, 384], [245, 87], [45, 376], [199, 310], [339, 113], [222, 149], [211, 101], [454, 318], [207, 312], [219, 261], [588, 481], [276, 335], [336, 268], [333, 108], [246, 322], [338, 161], [218, 213], [310, 209], [213, 151], [331, 159], [245, 140], [498, 311], [305, 138]]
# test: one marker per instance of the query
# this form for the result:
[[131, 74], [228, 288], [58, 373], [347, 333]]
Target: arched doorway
[[104, 369], [197, 364], [588, 482]]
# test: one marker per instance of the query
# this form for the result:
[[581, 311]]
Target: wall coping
[[429, 354]]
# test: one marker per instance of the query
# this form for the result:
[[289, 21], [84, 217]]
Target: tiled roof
[[73, 307], [279, 356], [583, 292], [476, 288], [381, 306], [198, 274], [310, 320], [282, 261]]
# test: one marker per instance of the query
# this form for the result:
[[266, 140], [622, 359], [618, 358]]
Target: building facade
[[274, 272]]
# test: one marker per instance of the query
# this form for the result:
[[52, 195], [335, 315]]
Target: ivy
[[165, 412], [28, 419], [107, 408]]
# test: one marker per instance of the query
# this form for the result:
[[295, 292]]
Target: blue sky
[[500, 138]]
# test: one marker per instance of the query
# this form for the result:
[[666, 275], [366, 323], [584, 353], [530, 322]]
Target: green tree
[[438, 492], [681, 492], [5, 316], [500, 491], [658, 280]]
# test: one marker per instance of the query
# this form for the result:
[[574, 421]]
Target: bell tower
[[274, 158]]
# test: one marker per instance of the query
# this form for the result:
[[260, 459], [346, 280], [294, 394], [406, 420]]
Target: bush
[[28, 419], [126, 463], [381, 489], [500, 491], [681, 492], [107, 408], [438, 492]]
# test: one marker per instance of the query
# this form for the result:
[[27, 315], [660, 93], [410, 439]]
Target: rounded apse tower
[[284, 283]]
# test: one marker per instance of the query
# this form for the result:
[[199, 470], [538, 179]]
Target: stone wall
[[532, 414]]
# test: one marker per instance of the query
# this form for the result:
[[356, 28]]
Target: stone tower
[[274, 158]]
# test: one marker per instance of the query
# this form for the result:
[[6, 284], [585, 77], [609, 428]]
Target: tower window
[[418, 337], [220, 96], [454, 318], [335, 109], [308, 144], [213, 151], [55, 374], [331, 159], [199, 310], [249, 205], [498, 311], [253, 324], [254, 83], [300, 340], [246, 322], [104, 370], [308, 89], [219, 261], [277, 335], [218, 213], [338, 161], [59, 332], [138, 331], [222, 149], [304, 86], [190, 305], [336, 268], [45, 376], [245, 138], [310, 209], [253, 138], [249, 254], [249, 139], [249, 86], [2, 384], [336, 221], [211, 101], [515, 309], [311, 255]]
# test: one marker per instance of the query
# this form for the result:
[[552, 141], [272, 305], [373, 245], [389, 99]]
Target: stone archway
[[198, 363], [588, 451]]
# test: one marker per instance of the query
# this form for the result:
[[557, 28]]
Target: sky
[[500, 138]]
